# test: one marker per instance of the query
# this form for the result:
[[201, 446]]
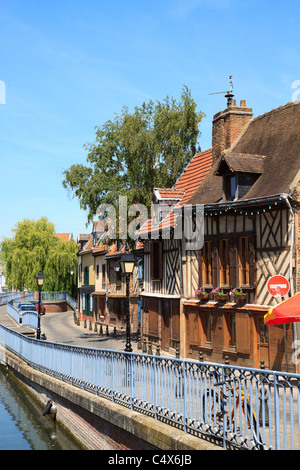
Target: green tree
[[35, 248], [135, 153]]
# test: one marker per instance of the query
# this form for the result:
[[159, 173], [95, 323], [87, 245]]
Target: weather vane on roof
[[229, 95]]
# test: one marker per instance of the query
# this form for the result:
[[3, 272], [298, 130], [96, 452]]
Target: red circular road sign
[[278, 286]]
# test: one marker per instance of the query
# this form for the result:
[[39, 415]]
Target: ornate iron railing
[[30, 319], [45, 296], [15, 297]]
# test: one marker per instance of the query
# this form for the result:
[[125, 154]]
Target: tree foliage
[[136, 152], [35, 248]]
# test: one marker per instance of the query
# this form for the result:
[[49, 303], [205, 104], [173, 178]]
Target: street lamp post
[[127, 264], [40, 282]]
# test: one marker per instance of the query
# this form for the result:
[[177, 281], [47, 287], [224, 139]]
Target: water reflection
[[22, 426]]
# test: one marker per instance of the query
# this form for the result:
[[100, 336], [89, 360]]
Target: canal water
[[22, 424]]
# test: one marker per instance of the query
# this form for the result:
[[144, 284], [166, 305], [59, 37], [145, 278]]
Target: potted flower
[[201, 294], [237, 294], [219, 294]]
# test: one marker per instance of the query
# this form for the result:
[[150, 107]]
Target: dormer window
[[230, 187]]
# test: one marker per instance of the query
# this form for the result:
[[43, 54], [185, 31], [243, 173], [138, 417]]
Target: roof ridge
[[277, 110], [244, 155]]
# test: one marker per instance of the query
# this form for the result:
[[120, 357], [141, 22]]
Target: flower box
[[240, 297], [201, 294], [219, 295], [237, 295]]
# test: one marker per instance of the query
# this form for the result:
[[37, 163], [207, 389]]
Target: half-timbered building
[[101, 285], [99, 295], [250, 197], [163, 271], [86, 279], [116, 288]]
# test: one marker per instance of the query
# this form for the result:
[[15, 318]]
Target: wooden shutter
[[200, 266], [151, 260], [252, 270], [233, 262], [175, 333], [242, 325], [86, 275], [153, 317], [160, 259], [156, 260], [215, 263]]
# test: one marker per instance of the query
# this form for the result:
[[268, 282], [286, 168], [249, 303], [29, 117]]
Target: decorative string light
[[243, 211], [215, 212]]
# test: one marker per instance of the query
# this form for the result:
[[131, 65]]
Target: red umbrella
[[287, 311]]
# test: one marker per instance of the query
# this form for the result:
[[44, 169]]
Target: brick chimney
[[228, 124]]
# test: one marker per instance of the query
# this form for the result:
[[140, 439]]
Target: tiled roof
[[243, 163], [194, 173], [186, 185], [104, 245], [271, 145], [65, 237], [169, 193], [113, 251]]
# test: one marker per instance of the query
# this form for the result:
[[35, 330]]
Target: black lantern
[[127, 264], [117, 267], [40, 279]]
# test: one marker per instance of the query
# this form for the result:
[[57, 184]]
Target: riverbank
[[22, 424], [99, 424]]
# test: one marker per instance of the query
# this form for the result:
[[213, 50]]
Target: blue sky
[[69, 66]]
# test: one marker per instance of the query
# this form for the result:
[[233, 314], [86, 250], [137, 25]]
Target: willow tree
[[33, 248], [136, 152]]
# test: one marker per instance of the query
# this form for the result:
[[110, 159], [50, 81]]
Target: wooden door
[[153, 317], [102, 306], [96, 306], [175, 324], [87, 307], [193, 335], [166, 330]]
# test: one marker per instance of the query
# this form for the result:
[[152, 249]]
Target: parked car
[[25, 307], [36, 304]]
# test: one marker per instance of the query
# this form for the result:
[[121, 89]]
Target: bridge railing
[[58, 296], [252, 408], [30, 319], [15, 297], [13, 312]]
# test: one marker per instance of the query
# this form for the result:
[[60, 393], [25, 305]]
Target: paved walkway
[[61, 328]]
